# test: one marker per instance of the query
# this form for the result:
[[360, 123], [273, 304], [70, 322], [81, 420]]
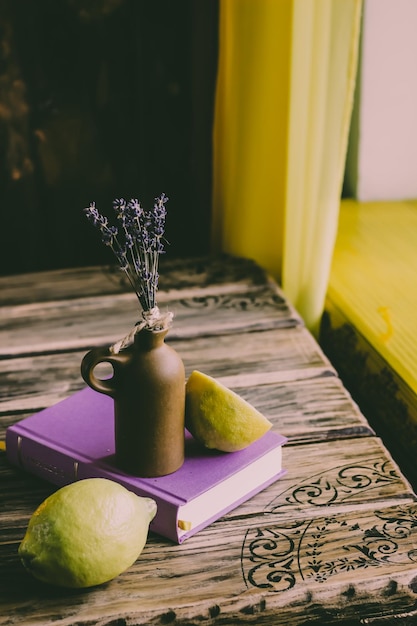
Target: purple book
[[74, 439]]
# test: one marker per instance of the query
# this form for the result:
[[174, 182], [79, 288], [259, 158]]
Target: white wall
[[382, 156]]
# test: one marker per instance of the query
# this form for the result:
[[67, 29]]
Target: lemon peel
[[218, 417], [86, 533]]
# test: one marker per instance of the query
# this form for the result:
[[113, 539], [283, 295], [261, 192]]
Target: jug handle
[[91, 360]]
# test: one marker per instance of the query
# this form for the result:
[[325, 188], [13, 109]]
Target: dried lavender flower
[[137, 243]]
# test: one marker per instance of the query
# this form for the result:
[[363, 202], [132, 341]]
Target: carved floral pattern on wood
[[278, 556], [241, 302]]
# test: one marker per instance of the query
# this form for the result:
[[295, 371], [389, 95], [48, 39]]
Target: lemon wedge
[[218, 417]]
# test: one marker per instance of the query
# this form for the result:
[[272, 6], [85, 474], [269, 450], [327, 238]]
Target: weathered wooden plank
[[354, 472], [294, 553], [67, 325], [142, 595], [305, 401], [318, 408], [278, 555], [303, 410], [292, 353], [29, 383], [67, 284]]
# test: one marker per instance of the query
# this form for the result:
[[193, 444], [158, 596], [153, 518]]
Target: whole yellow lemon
[[86, 533], [218, 417]]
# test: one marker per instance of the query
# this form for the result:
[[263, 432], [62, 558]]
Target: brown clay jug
[[148, 388]]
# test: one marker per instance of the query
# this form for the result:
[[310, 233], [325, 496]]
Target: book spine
[[40, 460], [59, 468]]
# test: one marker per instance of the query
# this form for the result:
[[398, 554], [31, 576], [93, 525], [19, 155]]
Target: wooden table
[[334, 541]]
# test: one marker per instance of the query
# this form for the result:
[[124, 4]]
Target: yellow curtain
[[283, 103]]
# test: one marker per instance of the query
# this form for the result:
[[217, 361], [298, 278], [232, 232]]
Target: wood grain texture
[[332, 542], [304, 536], [295, 408], [176, 274], [285, 356], [66, 325]]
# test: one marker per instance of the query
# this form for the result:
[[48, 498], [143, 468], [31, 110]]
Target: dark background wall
[[98, 100]]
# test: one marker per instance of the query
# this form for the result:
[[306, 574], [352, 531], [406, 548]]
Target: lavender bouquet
[[137, 244]]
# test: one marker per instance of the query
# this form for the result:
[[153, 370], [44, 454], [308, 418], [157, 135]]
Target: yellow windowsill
[[373, 279]]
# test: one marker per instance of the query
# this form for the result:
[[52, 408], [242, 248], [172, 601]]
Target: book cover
[[74, 439]]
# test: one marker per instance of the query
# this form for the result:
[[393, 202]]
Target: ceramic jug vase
[[148, 388]]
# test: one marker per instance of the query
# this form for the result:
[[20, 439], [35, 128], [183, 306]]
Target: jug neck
[[148, 339]]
